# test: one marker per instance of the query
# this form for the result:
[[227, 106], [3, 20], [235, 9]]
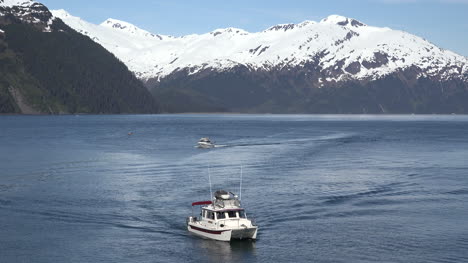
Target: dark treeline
[[288, 91], [65, 72]]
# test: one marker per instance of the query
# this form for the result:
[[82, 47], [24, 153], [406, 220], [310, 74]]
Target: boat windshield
[[220, 215], [232, 214], [210, 215], [242, 214]]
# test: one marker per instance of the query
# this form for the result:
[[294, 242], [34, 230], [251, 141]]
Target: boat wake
[[336, 137]]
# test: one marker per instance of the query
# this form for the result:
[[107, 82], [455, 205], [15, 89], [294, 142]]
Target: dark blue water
[[321, 188]]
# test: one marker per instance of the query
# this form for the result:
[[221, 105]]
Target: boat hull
[[224, 235], [205, 145], [248, 233]]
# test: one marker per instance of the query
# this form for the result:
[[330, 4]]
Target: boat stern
[[246, 233]]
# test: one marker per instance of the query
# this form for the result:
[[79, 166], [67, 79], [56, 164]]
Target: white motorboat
[[205, 143], [222, 219]]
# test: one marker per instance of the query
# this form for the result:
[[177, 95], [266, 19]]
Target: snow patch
[[61, 13], [11, 3], [127, 28], [334, 19], [341, 21]]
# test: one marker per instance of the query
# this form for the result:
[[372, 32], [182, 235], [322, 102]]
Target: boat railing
[[191, 219], [253, 221]]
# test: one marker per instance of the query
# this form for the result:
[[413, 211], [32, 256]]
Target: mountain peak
[[281, 27], [61, 13], [26, 12], [231, 30], [122, 25], [343, 47], [306, 23], [286, 27], [11, 3], [342, 21], [128, 28], [118, 24]]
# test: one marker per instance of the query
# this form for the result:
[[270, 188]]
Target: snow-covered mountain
[[336, 65], [26, 11], [343, 49], [12, 3]]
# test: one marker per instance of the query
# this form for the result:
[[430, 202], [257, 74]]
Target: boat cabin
[[205, 139], [209, 214], [225, 206]]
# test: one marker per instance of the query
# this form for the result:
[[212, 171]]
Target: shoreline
[[241, 113]]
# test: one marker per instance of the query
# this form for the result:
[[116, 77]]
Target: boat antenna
[[209, 179], [240, 185]]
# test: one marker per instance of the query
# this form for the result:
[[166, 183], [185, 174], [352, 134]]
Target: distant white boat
[[222, 219], [205, 143]]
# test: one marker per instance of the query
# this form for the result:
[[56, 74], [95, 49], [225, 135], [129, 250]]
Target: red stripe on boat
[[202, 203], [208, 231]]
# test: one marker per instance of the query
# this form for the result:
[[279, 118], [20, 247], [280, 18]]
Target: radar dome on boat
[[221, 194]]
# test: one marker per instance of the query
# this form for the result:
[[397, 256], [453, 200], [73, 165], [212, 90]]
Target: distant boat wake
[[332, 137]]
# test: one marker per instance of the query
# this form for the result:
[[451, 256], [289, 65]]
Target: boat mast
[[209, 179], [240, 186]]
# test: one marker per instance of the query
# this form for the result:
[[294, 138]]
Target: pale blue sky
[[443, 22]]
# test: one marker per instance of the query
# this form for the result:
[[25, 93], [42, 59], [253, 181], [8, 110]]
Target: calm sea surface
[[321, 188]]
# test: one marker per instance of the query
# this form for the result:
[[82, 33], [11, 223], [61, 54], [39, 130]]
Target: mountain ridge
[[336, 65], [330, 38]]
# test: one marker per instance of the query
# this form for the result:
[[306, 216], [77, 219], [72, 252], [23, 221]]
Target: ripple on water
[[322, 189]]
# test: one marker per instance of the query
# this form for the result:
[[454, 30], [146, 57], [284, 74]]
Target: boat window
[[242, 214], [210, 215], [232, 214], [220, 215]]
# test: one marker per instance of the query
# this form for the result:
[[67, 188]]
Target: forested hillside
[[62, 71]]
